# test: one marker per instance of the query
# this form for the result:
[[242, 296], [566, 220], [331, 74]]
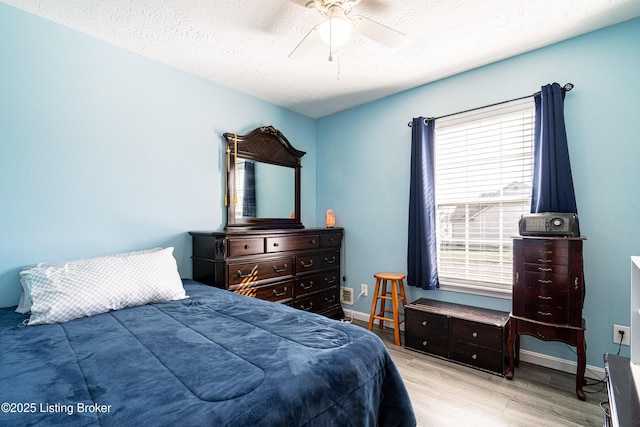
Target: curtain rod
[[567, 87]]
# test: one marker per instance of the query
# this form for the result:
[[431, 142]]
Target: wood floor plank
[[446, 394]]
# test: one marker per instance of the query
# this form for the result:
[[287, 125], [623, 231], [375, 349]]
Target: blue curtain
[[421, 252], [552, 180], [249, 201]]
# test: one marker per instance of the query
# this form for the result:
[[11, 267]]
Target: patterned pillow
[[24, 306], [68, 290]]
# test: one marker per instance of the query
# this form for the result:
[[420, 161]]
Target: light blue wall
[[102, 150], [368, 148]]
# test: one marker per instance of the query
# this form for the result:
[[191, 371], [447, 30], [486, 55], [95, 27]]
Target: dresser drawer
[[476, 334], [545, 296], [316, 282], [546, 313], [557, 282], [331, 240], [319, 303], [277, 292], [480, 357], [545, 249], [292, 243], [309, 263], [547, 269], [543, 260], [249, 272], [240, 247], [426, 332]]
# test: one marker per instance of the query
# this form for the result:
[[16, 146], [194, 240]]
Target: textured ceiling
[[244, 44]]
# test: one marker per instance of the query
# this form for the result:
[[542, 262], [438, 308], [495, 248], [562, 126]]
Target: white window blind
[[483, 169]]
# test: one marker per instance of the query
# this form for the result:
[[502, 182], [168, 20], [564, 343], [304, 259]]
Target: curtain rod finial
[[568, 87]]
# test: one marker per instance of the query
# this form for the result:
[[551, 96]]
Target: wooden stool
[[397, 296]]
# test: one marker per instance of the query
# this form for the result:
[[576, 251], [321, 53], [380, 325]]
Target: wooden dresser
[[548, 294], [300, 268], [470, 335]]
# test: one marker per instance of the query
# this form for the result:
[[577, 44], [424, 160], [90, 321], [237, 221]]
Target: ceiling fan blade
[[374, 6], [305, 45], [377, 31]]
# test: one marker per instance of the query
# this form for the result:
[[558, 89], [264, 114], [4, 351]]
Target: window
[[483, 169]]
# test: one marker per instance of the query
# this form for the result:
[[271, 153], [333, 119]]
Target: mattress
[[215, 358]]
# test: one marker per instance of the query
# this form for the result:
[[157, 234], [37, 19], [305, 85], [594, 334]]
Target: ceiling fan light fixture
[[336, 30]]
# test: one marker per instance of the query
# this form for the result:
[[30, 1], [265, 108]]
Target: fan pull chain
[[330, 38]]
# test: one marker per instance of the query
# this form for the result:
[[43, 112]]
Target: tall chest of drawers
[[548, 284], [548, 295], [300, 268]]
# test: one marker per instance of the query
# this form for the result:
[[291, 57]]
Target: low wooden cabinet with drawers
[[470, 335], [300, 268], [548, 295]]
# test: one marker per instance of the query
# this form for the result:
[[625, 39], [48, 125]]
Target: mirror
[[263, 180], [264, 190]]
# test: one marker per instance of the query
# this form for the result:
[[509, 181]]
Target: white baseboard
[[569, 366]]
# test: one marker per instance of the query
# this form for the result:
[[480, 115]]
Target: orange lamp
[[330, 219]]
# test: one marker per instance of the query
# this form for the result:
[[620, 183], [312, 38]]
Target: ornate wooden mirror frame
[[264, 145]]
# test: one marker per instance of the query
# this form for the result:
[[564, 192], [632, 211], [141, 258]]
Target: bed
[[211, 357]]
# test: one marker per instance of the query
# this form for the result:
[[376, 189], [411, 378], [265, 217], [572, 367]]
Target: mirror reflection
[[264, 190]]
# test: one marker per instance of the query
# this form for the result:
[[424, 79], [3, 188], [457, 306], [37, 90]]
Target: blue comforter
[[216, 358]]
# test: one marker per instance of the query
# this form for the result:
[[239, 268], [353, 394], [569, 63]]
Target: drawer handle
[[305, 287], [307, 308], [517, 277], [544, 260], [276, 244], [246, 247], [312, 242], [244, 276], [424, 323], [544, 313], [332, 280], [474, 356], [575, 283], [276, 270], [279, 294], [545, 269], [546, 252], [545, 282], [302, 263], [475, 335], [330, 261], [424, 343], [330, 300], [544, 297]]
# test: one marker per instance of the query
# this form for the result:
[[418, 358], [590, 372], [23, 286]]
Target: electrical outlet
[[626, 339], [364, 290]]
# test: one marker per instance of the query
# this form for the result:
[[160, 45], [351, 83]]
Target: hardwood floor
[[445, 394]]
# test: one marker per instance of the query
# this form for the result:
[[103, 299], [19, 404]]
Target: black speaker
[[549, 224]]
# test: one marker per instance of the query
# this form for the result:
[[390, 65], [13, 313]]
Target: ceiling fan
[[338, 26]]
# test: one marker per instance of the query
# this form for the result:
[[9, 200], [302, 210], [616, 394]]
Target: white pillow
[[68, 290], [24, 306]]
